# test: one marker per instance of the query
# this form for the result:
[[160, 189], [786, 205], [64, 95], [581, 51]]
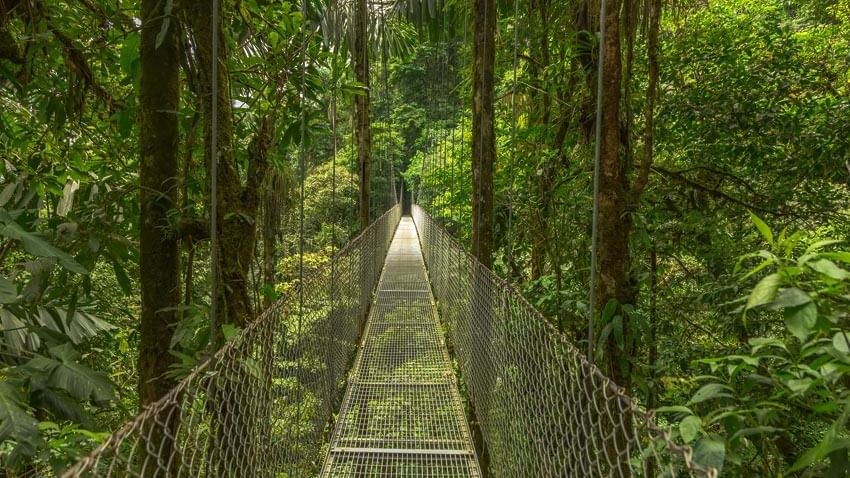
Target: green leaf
[[765, 291], [39, 247], [828, 444], [710, 391], [166, 21], [840, 341], [609, 310], [229, 331], [710, 452], [78, 380], [763, 228], [790, 297], [8, 291], [821, 244], [61, 405], [829, 269], [130, 52], [64, 352], [7, 193], [123, 279], [78, 327], [674, 409], [758, 343], [801, 320], [15, 423], [841, 256], [690, 428], [799, 385], [82, 382]]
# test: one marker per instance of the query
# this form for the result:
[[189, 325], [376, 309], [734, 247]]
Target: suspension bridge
[[280, 400], [402, 357]]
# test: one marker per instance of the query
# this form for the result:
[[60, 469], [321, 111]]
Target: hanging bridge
[[280, 399], [402, 357]]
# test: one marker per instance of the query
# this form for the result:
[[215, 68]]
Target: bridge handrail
[[542, 408], [259, 405]]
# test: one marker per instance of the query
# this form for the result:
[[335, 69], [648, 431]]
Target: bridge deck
[[402, 415]]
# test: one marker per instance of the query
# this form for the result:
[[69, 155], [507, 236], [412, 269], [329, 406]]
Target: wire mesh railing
[[402, 415], [260, 405], [541, 407]]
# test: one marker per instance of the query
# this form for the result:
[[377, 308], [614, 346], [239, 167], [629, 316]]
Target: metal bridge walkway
[[402, 415]]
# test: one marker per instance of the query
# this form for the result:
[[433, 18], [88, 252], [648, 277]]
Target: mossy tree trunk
[[615, 223], [159, 187], [540, 118], [239, 418], [483, 130], [362, 131], [238, 201], [159, 253]]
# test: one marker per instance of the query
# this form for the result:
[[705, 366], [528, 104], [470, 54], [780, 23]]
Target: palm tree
[[372, 27]]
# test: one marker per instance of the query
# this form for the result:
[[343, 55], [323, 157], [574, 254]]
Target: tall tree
[[540, 115], [158, 251], [238, 200], [618, 196], [615, 222], [483, 130], [362, 131]]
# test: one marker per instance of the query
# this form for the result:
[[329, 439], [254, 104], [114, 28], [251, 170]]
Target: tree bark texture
[[238, 203], [239, 420], [361, 106], [539, 118], [483, 130], [615, 223], [159, 253]]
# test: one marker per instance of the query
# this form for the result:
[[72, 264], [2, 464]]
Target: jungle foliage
[[728, 148]]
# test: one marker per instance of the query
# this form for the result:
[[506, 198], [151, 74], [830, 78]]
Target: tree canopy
[[722, 240]]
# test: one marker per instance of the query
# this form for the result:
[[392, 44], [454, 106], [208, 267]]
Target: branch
[[78, 62], [258, 163], [681, 177], [192, 229]]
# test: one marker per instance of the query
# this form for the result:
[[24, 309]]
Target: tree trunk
[[272, 213], [547, 168], [159, 253], [483, 132], [361, 106], [614, 228], [158, 250], [235, 414], [483, 161], [238, 205], [615, 222]]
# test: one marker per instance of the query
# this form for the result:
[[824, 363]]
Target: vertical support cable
[[214, 175], [513, 140], [594, 236], [333, 176], [302, 165], [462, 130]]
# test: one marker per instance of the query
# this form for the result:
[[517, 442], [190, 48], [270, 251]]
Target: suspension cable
[[214, 175], [594, 236], [334, 79], [513, 140], [463, 120], [302, 166]]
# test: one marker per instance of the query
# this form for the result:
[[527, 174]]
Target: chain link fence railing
[[260, 405], [541, 407]]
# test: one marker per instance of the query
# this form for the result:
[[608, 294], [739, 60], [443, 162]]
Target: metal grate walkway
[[402, 415]]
